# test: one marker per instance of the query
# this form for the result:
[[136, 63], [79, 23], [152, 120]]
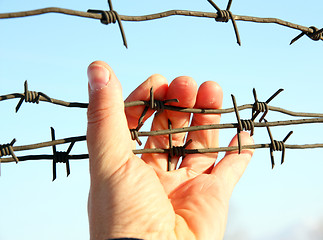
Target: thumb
[[108, 136]]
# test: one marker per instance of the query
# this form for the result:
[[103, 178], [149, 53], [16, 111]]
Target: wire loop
[[60, 156], [31, 96], [259, 107], [7, 149], [277, 146], [225, 16], [111, 16], [158, 105], [248, 125], [179, 151], [107, 16], [316, 35], [135, 133]]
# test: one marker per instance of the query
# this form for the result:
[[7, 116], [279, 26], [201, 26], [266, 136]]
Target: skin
[[136, 197]]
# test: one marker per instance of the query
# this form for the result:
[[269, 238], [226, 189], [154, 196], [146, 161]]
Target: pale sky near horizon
[[52, 52]]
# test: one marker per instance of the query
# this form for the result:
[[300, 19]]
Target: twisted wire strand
[[107, 17], [304, 29], [228, 126], [167, 107], [161, 150], [167, 131]]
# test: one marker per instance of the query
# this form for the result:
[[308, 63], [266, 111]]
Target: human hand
[[136, 197]]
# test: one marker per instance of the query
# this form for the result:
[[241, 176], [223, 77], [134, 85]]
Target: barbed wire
[[159, 106], [179, 151], [111, 16], [257, 108], [36, 97]]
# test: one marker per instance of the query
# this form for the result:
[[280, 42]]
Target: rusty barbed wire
[[170, 131], [161, 150], [111, 16], [277, 146], [159, 106], [162, 105], [177, 151], [36, 97], [166, 151]]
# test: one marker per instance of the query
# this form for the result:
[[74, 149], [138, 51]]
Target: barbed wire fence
[[258, 107]]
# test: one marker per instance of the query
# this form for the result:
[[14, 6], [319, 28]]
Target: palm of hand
[[170, 205], [133, 197]]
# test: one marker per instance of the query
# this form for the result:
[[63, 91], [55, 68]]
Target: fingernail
[[98, 76]]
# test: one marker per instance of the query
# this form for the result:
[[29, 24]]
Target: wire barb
[[316, 35], [135, 133], [262, 106], [7, 149], [247, 125], [111, 16], [60, 157], [170, 154], [31, 96], [180, 151], [277, 146], [158, 105], [225, 16], [177, 151]]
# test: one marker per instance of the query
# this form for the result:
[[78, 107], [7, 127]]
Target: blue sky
[[53, 51]]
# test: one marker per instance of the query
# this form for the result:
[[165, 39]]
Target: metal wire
[[172, 151], [161, 150], [164, 106], [111, 16], [174, 131], [107, 17]]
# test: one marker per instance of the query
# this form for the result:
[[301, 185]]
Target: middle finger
[[185, 90]]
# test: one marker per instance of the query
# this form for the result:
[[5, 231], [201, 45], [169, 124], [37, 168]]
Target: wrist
[[134, 236]]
